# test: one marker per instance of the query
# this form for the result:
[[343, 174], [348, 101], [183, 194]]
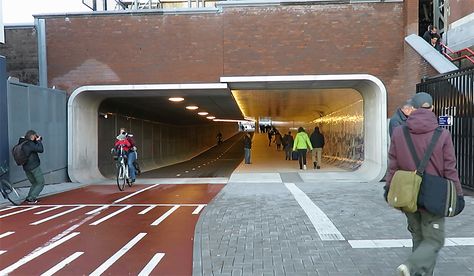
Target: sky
[[21, 11]]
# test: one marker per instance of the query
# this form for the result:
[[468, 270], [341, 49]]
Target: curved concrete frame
[[374, 96], [84, 102], [82, 108]]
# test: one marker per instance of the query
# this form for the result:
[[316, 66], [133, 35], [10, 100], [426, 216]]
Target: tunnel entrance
[[358, 99]]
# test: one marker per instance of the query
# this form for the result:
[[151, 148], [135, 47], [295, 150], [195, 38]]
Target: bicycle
[[121, 166], [7, 190]]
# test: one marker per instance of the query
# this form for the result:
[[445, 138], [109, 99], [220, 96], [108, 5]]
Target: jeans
[[302, 157], [247, 155], [427, 231], [132, 156], [35, 176]]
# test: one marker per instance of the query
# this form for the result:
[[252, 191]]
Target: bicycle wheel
[[121, 177], [127, 176], [10, 193]]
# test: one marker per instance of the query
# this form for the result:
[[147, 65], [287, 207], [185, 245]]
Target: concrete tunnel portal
[[350, 107]]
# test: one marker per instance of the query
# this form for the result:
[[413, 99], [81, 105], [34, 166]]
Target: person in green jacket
[[301, 144]]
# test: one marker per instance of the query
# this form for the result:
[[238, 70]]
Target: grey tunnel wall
[[158, 144]]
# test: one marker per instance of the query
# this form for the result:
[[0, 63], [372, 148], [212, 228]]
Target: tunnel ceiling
[[155, 106], [303, 105]]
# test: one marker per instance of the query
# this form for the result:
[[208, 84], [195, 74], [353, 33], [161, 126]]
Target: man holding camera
[[32, 147]]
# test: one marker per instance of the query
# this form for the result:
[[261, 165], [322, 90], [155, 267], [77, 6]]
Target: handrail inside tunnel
[[83, 109]]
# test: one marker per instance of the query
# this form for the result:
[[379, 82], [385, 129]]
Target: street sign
[[445, 120]]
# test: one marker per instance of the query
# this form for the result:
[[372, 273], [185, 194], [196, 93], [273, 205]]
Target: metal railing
[[453, 95], [454, 56]]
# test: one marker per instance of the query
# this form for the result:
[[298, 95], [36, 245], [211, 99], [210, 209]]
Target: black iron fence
[[453, 99]]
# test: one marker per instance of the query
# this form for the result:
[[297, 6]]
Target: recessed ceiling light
[[176, 99], [203, 113], [192, 107], [210, 117]]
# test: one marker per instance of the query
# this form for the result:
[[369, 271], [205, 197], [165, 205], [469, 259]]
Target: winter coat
[[422, 124], [302, 141], [317, 139], [31, 149], [398, 118]]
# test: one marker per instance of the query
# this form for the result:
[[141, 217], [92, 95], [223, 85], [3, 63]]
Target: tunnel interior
[[349, 109]]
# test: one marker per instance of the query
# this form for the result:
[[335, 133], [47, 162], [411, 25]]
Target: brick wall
[[21, 52], [459, 9], [277, 40]]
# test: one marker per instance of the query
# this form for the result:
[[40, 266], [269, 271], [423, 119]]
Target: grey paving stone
[[262, 230]]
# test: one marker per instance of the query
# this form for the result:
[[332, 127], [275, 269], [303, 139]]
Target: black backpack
[[19, 154]]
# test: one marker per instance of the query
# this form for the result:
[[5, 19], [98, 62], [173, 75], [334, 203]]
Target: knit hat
[[422, 99]]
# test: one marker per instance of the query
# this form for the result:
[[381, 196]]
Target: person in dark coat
[[317, 141], [427, 230], [247, 147], [288, 145], [32, 168], [400, 116], [432, 30]]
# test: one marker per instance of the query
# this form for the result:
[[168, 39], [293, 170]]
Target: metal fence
[[453, 95]]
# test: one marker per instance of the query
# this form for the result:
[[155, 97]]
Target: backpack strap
[[426, 157]]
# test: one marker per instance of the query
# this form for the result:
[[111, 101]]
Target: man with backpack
[[427, 229], [26, 155]]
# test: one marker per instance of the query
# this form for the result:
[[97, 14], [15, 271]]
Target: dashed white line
[[103, 267], [97, 210], [9, 208], [37, 252], [18, 212], [111, 215], [327, 231], [2, 251], [198, 209], [48, 210], [146, 210], [6, 234], [151, 264], [58, 215], [62, 264], [165, 215], [135, 193]]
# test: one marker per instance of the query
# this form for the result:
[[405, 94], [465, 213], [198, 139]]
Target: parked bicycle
[[7, 190], [121, 166]]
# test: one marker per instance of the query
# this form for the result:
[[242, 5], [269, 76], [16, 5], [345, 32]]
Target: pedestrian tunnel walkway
[[350, 109]]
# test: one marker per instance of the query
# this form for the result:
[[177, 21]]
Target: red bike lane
[[96, 230]]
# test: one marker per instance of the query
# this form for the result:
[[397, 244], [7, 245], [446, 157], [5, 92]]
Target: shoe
[[133, 180], [31, 201], [314, 163], [318, 167], [403, 270], [304, 167]]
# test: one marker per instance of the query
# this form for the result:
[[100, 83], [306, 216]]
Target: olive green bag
[[404, 189]]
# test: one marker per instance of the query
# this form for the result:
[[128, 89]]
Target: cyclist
[[131, 153]]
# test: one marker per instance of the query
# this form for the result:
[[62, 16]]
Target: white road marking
[[57, 215], [111, 215], [36, 253], [2, 251], [151, 264], [20, 211], [394, 243], [103, 267], [6, 234], [165, 215], [198, 209], [62, 264], [147, 210], [48, 210], [97, 210], [135, 193], [9, 208], [327, 231]]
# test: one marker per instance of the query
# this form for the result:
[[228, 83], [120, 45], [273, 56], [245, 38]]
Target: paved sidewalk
[[260, 229]]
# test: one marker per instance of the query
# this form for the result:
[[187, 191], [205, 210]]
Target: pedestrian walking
[[247, 147], [427, 229], [288, 145], [400, 116], [301, 144], [32, 145], [317, 141], [278, 140]]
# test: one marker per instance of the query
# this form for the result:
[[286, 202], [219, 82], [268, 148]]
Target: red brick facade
[[277, 40]]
